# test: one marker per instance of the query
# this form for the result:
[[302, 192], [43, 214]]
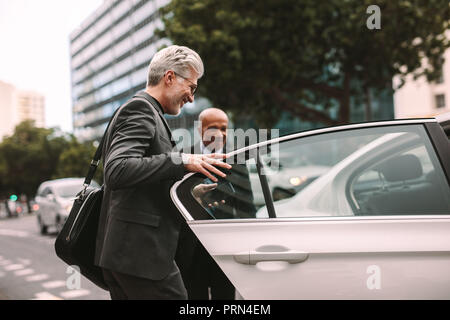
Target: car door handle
[[253, 257]]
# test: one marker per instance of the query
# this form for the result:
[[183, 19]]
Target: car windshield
[[68, 190]]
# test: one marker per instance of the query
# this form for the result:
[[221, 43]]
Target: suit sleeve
[[125, 162]]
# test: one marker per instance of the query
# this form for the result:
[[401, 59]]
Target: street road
[[30, 269]]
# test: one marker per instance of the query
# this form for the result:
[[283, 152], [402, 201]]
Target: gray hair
[[177, 58]]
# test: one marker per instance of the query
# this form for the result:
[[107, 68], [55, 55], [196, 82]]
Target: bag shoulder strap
[[98, 153]]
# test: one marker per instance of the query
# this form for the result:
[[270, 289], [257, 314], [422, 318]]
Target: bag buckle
[[83, 192], [95, 163]]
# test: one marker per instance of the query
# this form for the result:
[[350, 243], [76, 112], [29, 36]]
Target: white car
[[374, 223], [55, 199]]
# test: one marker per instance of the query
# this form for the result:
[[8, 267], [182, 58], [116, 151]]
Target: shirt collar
[[205, 150], [149, 97]]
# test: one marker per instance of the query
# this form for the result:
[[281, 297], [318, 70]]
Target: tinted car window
[[238, 196], [234, 197]]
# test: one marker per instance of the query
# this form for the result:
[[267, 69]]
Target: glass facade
[[110, 53]]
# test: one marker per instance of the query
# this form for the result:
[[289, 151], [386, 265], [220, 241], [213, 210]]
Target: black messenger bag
[[75, 244]]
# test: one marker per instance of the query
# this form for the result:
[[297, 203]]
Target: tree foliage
[[266, 55], [33, 155], [29, 157], [74, 161]]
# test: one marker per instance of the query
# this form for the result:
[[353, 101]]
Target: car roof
[[63, 181]]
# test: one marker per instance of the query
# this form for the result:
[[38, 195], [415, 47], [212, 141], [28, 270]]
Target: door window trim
[[325, 219]]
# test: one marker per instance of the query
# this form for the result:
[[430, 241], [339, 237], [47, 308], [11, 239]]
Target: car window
[[40, 191], [46, 191], [358, 172], [68, 190], [372, 171], [237, 196], [406, 183]]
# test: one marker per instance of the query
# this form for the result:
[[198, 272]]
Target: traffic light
[[13, 197]]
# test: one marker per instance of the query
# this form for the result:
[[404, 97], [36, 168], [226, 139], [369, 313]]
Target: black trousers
[[127, 287]]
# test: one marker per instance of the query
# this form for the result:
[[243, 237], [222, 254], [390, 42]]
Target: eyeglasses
[[193, 87]]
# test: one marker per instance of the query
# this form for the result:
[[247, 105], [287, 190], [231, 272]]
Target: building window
[[440, 101]]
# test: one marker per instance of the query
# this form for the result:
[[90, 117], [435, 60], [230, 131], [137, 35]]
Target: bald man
[[202, 277], [213, 130]]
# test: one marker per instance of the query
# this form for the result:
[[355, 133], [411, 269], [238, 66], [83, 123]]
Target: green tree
[[29, 157], [75, 160], [303, 56], [4, 188]]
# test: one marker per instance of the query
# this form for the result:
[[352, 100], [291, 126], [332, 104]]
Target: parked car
[[374, 222], [54, 200]]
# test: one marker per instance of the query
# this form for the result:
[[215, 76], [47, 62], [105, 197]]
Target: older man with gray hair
[[139, 226]]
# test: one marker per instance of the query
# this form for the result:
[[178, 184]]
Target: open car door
[[352, 212]]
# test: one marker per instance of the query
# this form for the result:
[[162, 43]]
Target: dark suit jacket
[[139, 224]]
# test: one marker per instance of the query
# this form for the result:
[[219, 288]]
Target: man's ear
[[169, 77]]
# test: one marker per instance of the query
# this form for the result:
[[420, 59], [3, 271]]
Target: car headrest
[[401, 168]]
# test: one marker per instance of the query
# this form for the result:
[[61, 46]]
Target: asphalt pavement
[[30, 269]]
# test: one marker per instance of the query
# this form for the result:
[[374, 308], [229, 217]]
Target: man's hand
[[200, 190], [205, 163]]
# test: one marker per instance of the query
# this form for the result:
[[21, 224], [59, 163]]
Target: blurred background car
[[54, 200], [14, 209], [17, 208], [286, 178]]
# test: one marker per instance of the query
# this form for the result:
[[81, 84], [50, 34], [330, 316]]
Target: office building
[[110, 54], [18, 105]]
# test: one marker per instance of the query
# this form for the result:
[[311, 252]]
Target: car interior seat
[[407, 189]]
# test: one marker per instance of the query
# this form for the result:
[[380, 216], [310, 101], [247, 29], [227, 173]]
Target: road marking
[[5, 262], [24, 261], [13, 267], [45, 296], [74, 293], [14, 233], [24, 272], [37, 277], [54, 284], [2, 274]]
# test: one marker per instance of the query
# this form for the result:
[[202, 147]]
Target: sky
[[34, 50]]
